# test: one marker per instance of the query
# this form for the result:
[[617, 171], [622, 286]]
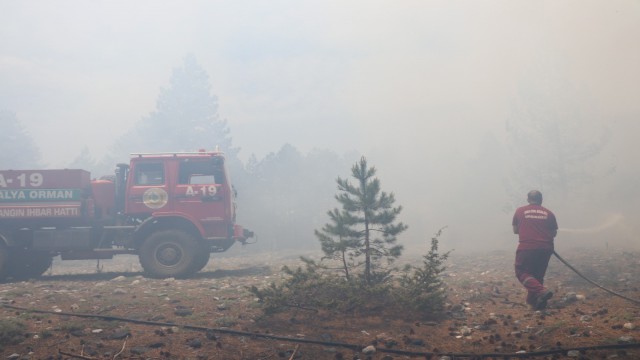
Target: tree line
[[284, 195]]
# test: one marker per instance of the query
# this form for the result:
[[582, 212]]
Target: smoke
[[610, 221]]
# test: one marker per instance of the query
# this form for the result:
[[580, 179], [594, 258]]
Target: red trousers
[[531, 265]]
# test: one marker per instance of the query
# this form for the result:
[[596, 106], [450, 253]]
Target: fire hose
[[593, 282]]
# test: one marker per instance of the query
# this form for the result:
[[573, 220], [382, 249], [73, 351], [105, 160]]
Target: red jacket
[[536, 226]]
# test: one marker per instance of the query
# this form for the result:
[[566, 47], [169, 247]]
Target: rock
[[119, 334], [74, 307], [90, 351], [573, 353], [581, 297], [629, 326], [465, 331], [369, 350], [119, 291], [156, 345], [138, 350], [135, 282], [195, 343], [183, 312], [119, 278], [13, 356], [570, 297], [77, 333], [625, 339], [97, 331], [585, 318]]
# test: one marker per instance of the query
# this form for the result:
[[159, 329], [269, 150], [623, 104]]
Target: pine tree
[[423, 290], [84, 161], [373, 215], [185, 119], [338, 240]]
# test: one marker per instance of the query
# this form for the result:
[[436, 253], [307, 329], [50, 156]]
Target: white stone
[[585, 318], [369, 350], [629, 326], [573, 353]]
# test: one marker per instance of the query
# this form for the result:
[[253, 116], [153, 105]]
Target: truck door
[[148, 188], [200, 193]]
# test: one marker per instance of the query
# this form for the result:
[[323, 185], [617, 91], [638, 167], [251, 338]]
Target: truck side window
[[149, 174], [196, 172]]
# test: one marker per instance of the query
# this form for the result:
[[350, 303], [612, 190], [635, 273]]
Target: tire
[[202, 259], [24, 264], [4, 258], [169, 253]]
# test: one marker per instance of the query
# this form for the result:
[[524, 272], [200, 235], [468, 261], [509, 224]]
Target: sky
[[421, 81]]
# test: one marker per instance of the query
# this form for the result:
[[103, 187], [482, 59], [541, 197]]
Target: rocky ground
[[132, 317]]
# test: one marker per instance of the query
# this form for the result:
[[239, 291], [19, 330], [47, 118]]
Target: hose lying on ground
[[593, 282], [355, 347]]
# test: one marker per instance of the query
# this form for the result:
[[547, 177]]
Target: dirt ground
[[486, 314]]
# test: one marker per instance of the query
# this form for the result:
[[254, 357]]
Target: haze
[[427, 90]]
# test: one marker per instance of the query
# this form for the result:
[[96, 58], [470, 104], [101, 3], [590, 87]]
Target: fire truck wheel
[[202, 258], [169, 253], [4, 255], [23, 265]]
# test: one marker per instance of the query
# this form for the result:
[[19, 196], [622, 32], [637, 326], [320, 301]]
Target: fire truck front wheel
[[169, 253]]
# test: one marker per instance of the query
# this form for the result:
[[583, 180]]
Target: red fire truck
[[171, 209]]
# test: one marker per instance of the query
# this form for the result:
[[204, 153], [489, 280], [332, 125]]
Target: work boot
[[541, 301]]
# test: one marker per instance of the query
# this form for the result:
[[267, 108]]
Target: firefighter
[[536, 227]]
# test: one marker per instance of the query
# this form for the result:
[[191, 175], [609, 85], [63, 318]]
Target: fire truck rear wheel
[[202, 259], [23, 265], [169, 253]]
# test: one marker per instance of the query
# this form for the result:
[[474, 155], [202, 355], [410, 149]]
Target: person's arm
[[515, 229], [554, 226]]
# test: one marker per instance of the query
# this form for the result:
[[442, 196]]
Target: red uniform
[[536, 227]]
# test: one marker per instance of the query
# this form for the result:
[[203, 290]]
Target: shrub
[[420, 291], [316, 287], [11, 331], [421, 288]]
